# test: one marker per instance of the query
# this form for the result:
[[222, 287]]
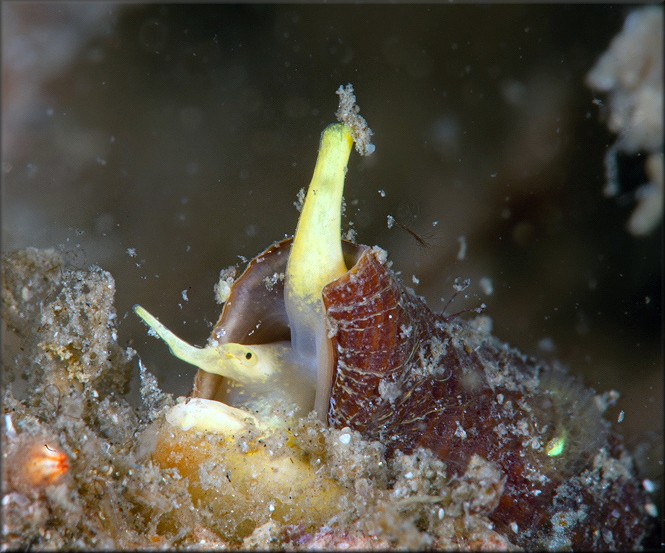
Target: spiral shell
[[410, 379]]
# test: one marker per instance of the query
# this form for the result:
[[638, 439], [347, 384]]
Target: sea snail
[[342, 336]]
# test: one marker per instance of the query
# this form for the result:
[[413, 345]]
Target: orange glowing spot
[[44, 465]]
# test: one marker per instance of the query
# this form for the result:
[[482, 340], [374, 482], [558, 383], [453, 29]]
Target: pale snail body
[[343, 337]]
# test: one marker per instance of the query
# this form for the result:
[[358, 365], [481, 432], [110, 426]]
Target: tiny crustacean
[[340, 335]]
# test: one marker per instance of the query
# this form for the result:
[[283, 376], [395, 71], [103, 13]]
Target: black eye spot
[[248, 355]]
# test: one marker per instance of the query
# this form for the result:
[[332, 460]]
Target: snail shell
[[411, 378], [379, 361]]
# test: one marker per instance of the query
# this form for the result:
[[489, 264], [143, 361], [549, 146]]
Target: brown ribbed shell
[[410, 378]]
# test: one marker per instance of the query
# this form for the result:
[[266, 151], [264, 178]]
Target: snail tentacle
[[238, 362]]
